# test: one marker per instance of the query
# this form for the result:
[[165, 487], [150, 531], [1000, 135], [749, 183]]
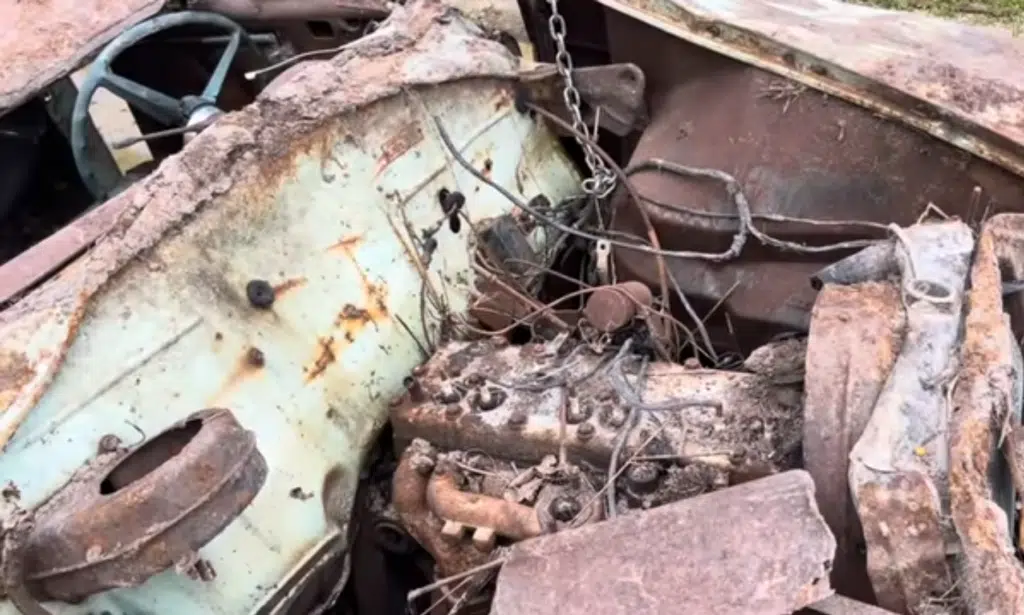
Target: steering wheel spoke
[[157, 105], [216, 82]]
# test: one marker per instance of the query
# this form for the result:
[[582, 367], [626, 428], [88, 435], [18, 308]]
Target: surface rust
[[252, 150], [953, 80], [758, 548], [44, 40], [131, 514], [855, 336], [992, 580], [726, 422], [795, 152]]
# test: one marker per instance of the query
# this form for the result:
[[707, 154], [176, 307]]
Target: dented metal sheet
[[760, 548], [44, 40], [957, 82], [270, 269]]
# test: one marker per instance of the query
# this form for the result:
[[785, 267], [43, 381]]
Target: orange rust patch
[[248, 364], [288, 285], [407, 137], [347, 245], [15, 373], [325, 356]]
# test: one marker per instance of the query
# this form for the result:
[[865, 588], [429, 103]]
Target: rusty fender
[[409, 497], [133, 513], [989, 378], [507, 519]]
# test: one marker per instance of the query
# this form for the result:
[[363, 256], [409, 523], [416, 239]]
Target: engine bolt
[[585, 431], [564, 508]]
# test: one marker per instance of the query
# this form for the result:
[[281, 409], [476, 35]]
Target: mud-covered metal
[[321, 189], [130, 514], [856, 333], [955, 81], [44, 41], [987, 393], [507, 400], [760, 547]]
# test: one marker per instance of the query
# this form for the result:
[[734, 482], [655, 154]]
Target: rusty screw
[[254, 356], [517, 420], [109, 443], [453, 411], [565, 508], [579, 412], [585, 431], [448, 394], [489, 398], [260, 294], [643, 477]]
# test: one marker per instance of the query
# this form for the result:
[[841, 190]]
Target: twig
[[495, 563]]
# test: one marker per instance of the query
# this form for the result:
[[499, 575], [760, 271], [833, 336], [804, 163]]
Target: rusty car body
[[343, 335]]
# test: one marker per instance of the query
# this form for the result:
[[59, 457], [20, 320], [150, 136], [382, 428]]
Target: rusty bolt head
[[518, 419], [611, 308], [448, 394], [415, 389], [499, 341], [585, 431], [254, 357], [692, 363], [420, 370], [490, 398], [565, 508], [260, 294], [577, 412], [109, 443], [453, 411], [643, 477]]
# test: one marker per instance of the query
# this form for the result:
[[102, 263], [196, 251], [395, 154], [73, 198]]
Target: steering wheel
[[173, 112]]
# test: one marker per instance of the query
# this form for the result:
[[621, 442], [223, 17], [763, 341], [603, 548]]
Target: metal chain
[[602, 180]]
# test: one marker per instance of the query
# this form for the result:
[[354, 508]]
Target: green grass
[[1009, 13]]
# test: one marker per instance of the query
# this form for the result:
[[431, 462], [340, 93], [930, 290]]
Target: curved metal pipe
[[507, 519], [409, 497]]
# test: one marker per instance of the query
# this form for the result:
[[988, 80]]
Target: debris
[[758, 548]]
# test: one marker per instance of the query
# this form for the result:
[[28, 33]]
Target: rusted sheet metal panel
[[309, 190], [856, 334], [44, 40], [759, 548], [992, 579], [958, 82]]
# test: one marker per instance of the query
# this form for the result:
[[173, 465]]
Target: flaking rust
[[989, 378], [760, 548]]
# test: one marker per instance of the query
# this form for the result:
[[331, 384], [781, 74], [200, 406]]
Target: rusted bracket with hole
[[132, 513], [616, 89]]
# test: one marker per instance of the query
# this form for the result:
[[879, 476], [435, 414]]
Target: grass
[[1007, 13]]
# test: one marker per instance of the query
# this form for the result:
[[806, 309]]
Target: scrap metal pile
[[725, 322]]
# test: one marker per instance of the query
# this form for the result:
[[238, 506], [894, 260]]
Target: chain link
[[601, 181]]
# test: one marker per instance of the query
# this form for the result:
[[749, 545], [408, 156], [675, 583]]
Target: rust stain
[[247, 365], [407, 137], [325, 356], [15, 373], [282, 288], [347, 245]]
